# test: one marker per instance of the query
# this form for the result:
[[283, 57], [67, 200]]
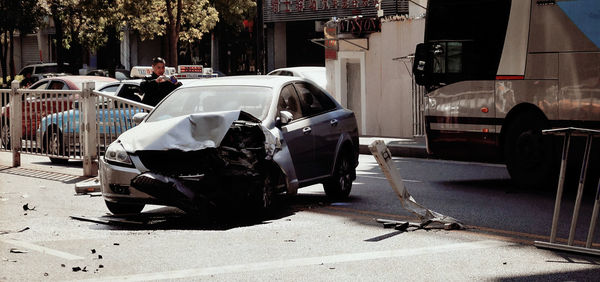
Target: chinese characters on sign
[[289, 6]]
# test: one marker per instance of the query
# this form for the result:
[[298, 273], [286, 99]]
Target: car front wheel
[[120, 208], [339, 185]]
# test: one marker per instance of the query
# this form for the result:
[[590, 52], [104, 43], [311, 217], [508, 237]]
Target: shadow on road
[[46, 175], [171, 218]]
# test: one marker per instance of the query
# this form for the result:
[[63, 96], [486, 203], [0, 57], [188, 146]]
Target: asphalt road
[[307, 237]]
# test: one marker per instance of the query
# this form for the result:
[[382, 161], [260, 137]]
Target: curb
[[399, 151]]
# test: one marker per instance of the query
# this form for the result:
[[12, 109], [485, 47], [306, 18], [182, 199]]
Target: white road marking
[[226, 269], [379, 177], [41, 249]]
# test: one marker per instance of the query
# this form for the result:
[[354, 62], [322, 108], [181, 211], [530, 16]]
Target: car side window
[[288, 101], [40, 86], [111, 89], [57, 85], [131, 92], [26, 70], [286, 73], [313, 100]]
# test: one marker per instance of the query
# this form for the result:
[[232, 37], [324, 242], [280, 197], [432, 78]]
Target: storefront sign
[[303, 10], [359, 26]]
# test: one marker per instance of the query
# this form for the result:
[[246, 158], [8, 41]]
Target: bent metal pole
[[384, 158]]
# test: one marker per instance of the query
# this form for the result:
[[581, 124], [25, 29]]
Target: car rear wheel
[[5, 134], [339, 185], [121, 208], [53, 145]]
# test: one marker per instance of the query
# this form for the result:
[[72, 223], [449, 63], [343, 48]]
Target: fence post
[[16, 123], [88, 130]]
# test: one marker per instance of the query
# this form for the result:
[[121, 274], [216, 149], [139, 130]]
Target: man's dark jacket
[[153, 91]]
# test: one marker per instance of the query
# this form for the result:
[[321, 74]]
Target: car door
[[297, 133], [320, 112]]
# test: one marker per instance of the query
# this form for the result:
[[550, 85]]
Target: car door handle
[[306, 130], [333, 122]]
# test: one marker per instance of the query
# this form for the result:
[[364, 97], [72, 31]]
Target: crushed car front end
[[233, 160]]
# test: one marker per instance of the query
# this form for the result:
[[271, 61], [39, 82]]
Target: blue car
[[59, 134]]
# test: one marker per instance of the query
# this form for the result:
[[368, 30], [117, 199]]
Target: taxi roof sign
[[143, 71]]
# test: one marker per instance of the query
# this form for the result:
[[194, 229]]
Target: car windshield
[[254, 100]]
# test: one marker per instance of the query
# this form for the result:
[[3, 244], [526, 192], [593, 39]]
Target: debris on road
[[2, 232], [429, 218], [116, 244], [17, 251], [93, 251], [76, 268], [9, 260], [87, 186], [108, 221], [27, 208]]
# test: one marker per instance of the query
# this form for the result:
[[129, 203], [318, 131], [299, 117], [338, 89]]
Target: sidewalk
[[399, 147]]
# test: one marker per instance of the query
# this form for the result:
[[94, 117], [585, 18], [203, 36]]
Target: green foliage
[[150, 18], [86, 21], [233, 12]]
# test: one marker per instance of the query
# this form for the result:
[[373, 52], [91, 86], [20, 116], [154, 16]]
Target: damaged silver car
[[232, 139]]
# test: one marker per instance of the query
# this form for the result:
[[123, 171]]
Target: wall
[[386, 98]]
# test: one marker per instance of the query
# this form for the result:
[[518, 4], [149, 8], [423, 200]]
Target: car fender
[[344, 137], [283, 159]]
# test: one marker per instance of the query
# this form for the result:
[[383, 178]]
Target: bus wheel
[[529, 154]]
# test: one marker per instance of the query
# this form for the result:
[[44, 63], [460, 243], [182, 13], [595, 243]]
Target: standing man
[[157, 86]]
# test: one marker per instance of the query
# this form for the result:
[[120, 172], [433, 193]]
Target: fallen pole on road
[[429, 219]]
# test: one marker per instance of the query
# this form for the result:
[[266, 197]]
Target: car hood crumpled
[[186, 133]]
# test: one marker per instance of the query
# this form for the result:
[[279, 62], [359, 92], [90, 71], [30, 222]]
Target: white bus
[[497, 72]]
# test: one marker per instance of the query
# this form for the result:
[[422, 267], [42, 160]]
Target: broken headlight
[[116, 154]]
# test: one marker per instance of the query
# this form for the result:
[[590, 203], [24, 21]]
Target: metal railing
[[64, 124], [114, 115], [552, 244], [418, 93]]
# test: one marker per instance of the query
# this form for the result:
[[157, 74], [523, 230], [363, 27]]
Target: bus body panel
[[514, 51], [542, 66], [553, 30], [580, 88], [543, 94], [462, 112]]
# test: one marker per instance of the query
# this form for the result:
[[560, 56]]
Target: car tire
[[53, 144], [530, 156], [121, 208], [5, 134], [339, 185]]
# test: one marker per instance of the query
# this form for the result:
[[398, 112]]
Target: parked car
[[120, 74], [128, 89], [316, 74], [244, 137], [43, 70], [38, 106]]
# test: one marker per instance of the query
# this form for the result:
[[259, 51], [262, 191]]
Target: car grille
[[179, 163]]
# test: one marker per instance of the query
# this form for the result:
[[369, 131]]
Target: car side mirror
[[139, 117], [285, 117]]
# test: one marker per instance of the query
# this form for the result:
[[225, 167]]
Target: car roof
[[272, 81], [80, 79], [301, 69]]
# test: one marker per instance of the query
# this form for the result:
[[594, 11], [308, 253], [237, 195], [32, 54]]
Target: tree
[[24, 16], [178, 20], [84, 24]]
